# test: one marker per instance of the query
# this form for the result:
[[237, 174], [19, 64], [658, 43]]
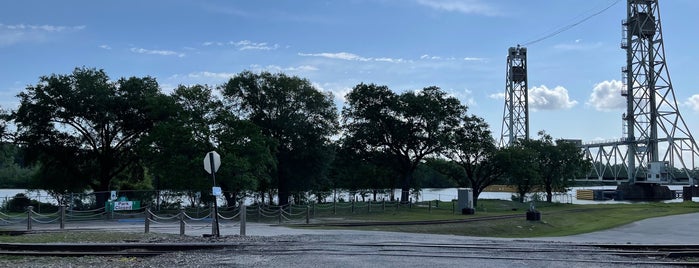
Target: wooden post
[[30, 210], [243, 218], [352, 206], [181, 221], [280, 214], [63, 217], [368, 207], [308, 214], [429, 206], [147, 221]]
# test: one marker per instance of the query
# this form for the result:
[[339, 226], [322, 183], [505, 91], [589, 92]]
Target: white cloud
[[44, 28], [157, 52], [350, 57], [693, 102], [277, 68], [428, 57], [106, 47], [606, 96], [473, 59], [249, 45], [206, 74], [21, 33], [244, 45], [578, 44], [461, 6], [543, 98], [497, 96]]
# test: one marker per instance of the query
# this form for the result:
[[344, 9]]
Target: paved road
[[278, 246], [678, 229]]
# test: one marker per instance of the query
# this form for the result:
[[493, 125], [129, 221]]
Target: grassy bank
[[557, 219]]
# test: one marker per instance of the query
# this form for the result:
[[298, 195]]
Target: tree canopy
[[299, 118], [409, 126], [473, 148], [86, 124]]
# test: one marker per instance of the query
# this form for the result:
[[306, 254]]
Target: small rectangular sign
[[123, 205], [216, 191]]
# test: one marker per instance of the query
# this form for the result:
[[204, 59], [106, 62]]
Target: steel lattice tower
[[656, 135], [515, 123]]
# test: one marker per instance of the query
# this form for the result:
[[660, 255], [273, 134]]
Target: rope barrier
[[45, 222]]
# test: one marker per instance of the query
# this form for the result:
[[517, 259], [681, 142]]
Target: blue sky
[[458, 45]]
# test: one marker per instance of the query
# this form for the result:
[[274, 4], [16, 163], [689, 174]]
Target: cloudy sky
[[458, 45]]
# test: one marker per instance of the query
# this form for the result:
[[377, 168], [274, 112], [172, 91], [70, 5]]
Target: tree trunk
[[405, 189], [476, 193], [549, 193]]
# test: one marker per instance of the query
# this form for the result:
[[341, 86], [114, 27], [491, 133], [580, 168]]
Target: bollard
[[429, 206], [243, 218], [147, 221], [63, 217], [383, 206], [181, 221], [30, 210], [368, 207], [308, 214], [352, 206]]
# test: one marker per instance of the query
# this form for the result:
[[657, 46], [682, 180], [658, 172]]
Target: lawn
[[557, 219]]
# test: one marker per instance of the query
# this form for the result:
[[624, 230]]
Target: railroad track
[[506, 250]]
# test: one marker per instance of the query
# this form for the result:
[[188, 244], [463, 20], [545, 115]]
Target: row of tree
[[84, 131]]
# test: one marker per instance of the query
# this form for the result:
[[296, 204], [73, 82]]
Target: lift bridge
[[657, 147]]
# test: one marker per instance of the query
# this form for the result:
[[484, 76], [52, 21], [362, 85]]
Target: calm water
[[442, 194]]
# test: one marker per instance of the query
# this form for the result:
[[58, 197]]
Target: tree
[[558, 163], [200, 124], [87, 124], [520, 166], [356, 171], [185, 138], [295, 115], [409, 127], [473, 148]]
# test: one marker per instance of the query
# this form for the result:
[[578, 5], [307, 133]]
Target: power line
[[570, 26]]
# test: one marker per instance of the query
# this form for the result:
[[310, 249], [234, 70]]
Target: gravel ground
[[368, 249]]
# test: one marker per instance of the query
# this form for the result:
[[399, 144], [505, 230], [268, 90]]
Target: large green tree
[[519, 162], [174, 148], [559, 162], [87, 124], [299, 118], [473, 148], [199, 124], [409, 126]]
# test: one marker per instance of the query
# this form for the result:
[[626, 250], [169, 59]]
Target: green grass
[[557, 219]]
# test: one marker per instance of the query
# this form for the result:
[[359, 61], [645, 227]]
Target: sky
[[458, 45]]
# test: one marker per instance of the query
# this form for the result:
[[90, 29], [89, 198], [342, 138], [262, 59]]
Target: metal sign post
[[212, 161]]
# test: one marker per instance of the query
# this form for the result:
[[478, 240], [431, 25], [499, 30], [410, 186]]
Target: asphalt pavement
[[677, 229]]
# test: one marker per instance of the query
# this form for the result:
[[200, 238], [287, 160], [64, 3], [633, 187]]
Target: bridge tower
[[656, 135], [515, 123]]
